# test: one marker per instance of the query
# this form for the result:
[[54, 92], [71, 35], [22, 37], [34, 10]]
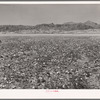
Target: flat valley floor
[[50, 61]]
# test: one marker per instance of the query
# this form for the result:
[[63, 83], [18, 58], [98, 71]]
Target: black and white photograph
[[49, 46]]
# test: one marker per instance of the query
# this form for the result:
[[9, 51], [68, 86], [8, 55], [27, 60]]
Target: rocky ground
[[49, 62]]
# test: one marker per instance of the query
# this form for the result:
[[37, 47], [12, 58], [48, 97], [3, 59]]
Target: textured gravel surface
[[45, 62]]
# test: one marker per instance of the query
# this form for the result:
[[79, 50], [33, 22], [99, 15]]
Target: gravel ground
[[49, 62]]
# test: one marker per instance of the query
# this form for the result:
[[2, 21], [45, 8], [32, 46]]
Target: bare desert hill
[[66, 28]]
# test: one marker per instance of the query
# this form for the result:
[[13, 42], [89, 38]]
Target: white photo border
[[43, 93]]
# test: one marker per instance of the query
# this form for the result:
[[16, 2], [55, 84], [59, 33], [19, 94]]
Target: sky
[[33, 14]]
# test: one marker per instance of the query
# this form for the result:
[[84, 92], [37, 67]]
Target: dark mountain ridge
[[46, 27]]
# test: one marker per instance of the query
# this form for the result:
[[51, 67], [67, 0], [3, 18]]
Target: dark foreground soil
[[49, 62]]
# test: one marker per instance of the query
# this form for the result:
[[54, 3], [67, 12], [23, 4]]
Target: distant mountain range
[[68, 26]]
